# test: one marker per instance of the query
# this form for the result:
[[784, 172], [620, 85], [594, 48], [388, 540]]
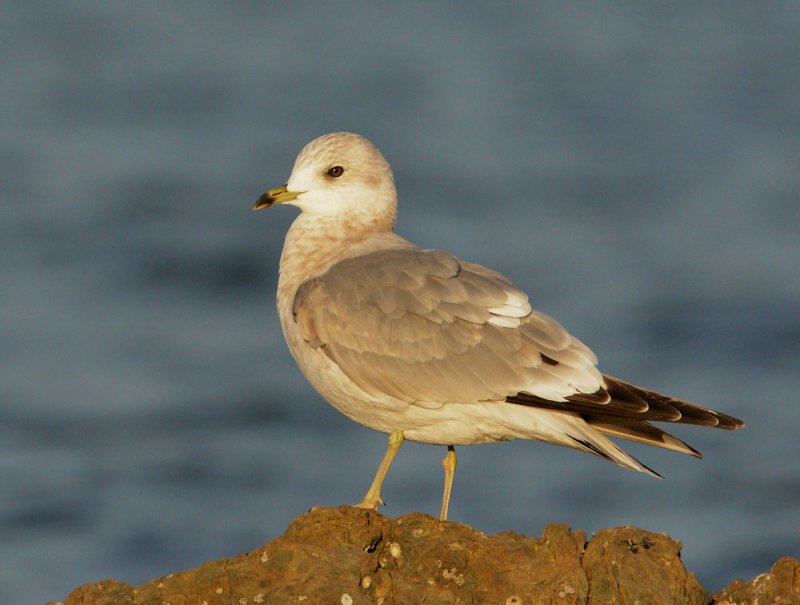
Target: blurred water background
[[634, 166]]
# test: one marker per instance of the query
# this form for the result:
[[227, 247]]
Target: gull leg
[[449, 465], [373, 497]]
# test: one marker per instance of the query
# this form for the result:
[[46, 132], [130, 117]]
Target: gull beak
[[279, 195]]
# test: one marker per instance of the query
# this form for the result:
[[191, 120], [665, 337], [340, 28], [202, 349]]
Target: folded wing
[[427, 328]]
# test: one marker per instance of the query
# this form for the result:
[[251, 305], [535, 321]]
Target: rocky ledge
[[351, 556]]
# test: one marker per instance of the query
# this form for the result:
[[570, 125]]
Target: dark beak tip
[[265, 201]]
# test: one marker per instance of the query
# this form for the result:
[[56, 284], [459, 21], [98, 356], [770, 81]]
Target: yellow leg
[[449, 465], [373, 497]]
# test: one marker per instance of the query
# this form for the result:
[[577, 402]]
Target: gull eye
[[336, 171]]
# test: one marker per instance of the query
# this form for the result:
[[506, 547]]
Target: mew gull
[[424, 346]]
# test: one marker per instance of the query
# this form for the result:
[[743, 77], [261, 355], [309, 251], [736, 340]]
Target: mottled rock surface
[[351, 556], [779, 586]]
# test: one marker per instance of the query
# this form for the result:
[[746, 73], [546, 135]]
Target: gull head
[[339, 174]]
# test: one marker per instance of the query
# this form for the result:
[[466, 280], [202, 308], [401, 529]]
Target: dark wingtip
[[729, 422]]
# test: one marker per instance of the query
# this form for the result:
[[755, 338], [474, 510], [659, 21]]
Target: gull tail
[[588, 438], [639, 431]]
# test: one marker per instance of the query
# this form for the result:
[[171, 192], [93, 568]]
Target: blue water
[[634, 167]]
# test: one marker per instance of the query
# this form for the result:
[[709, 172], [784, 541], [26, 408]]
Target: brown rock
[[779, 586], [352, 556], [618, 573]]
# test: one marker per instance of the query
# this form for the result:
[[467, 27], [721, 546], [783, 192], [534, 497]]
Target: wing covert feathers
[[424, 327]]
